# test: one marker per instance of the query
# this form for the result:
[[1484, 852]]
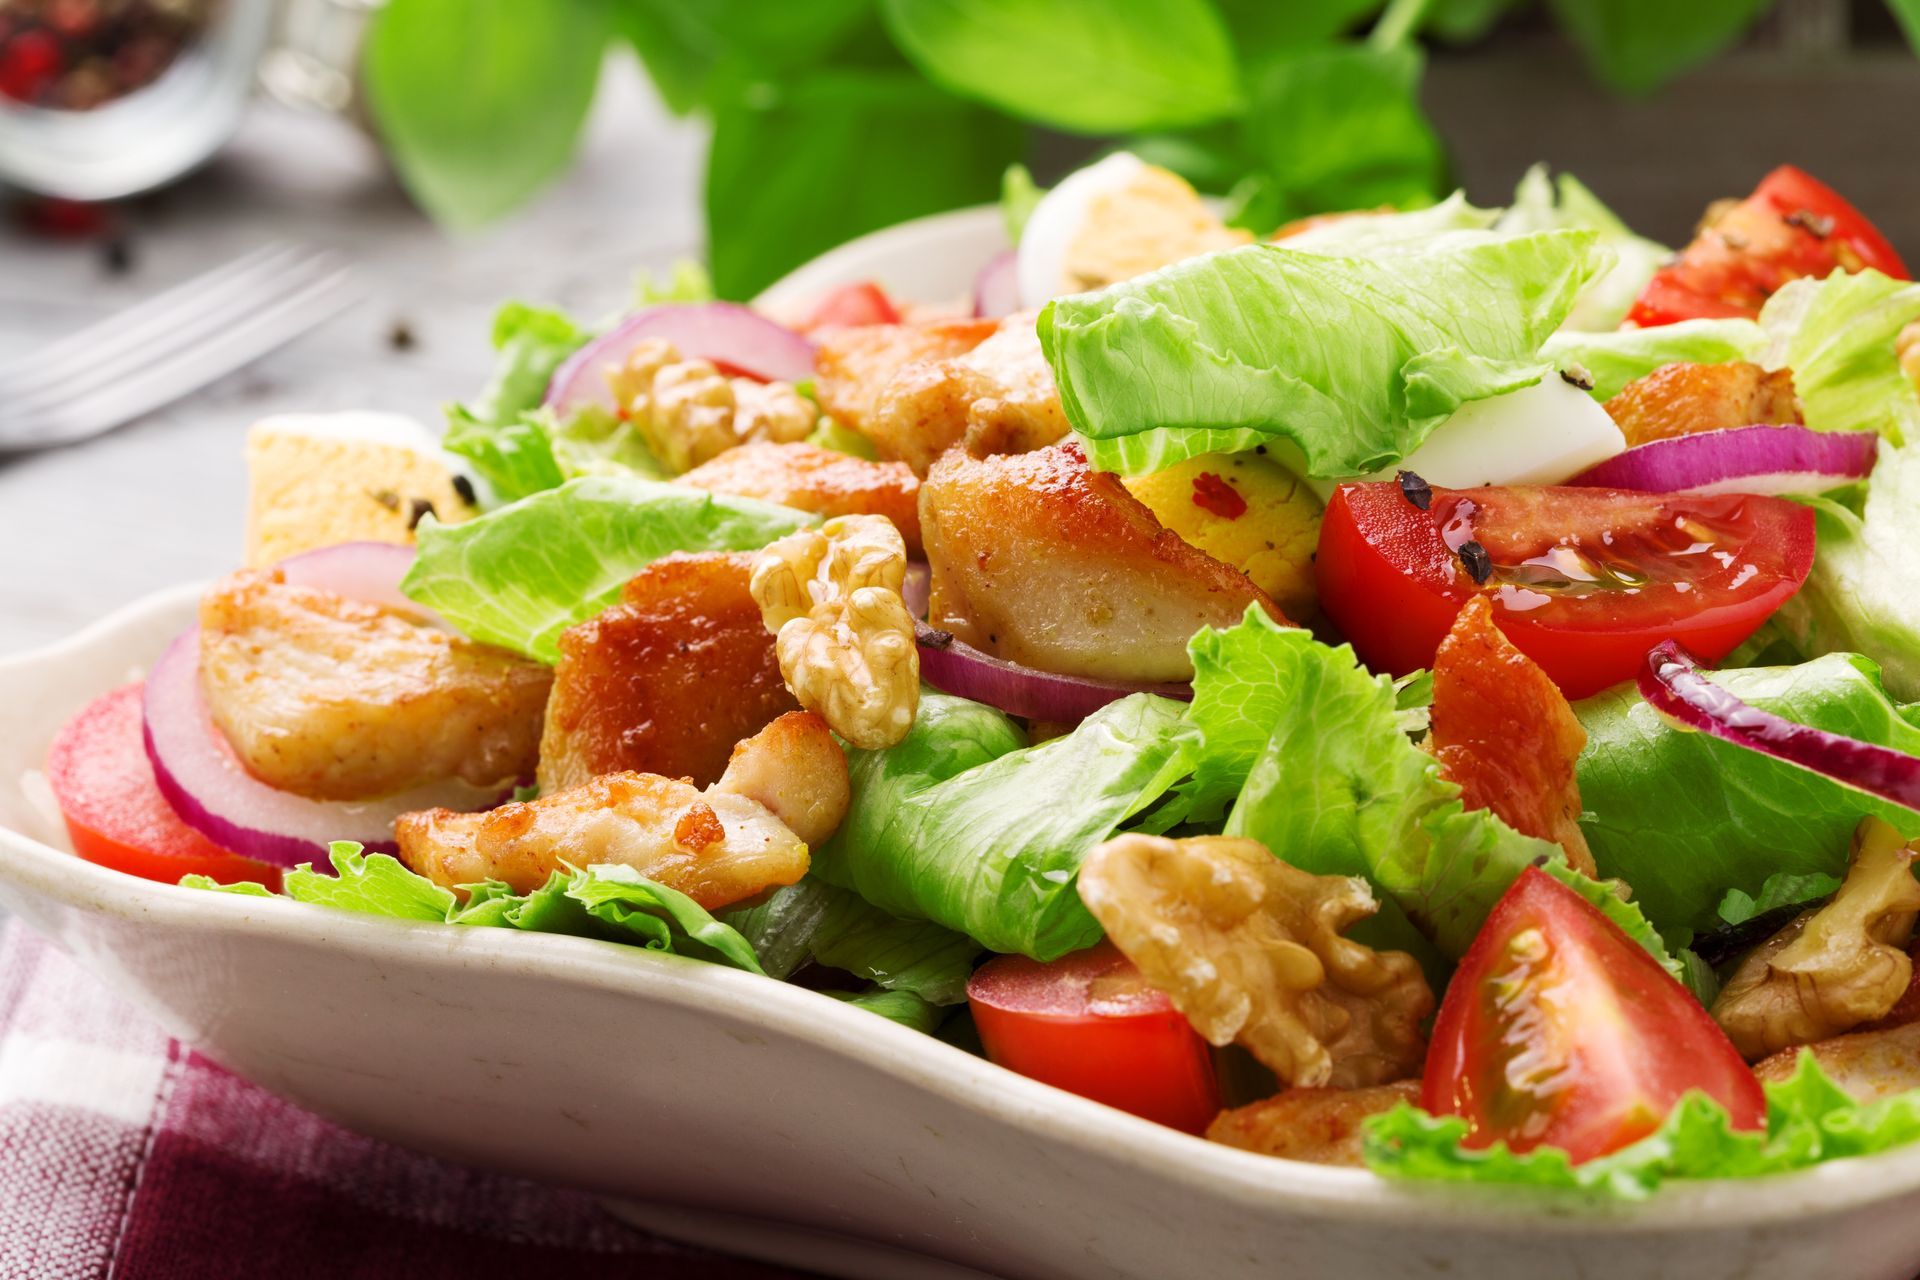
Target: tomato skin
[[1558, 1029], [853, 304], [114, 812], [1135, 1052], [1793, 225], [1390, 580]]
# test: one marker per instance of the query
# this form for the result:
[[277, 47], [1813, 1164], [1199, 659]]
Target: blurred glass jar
[[106, 98]]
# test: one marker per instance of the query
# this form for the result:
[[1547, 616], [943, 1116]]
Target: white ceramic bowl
[[769, 1119]]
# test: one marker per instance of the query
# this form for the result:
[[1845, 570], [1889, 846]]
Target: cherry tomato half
[[1583, 581], [1792, 225], [114, 811], [1559, 1029], [853, 304], [1089, 1024]]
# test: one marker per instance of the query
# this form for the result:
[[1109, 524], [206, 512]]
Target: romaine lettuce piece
[[813, 920], [965, 825], [1617, 358], [1541, 203], [1837, 336], [1809, 1121], [519, 576], [1352, 360], [507, 450], [1684, 817], [903, 1007]]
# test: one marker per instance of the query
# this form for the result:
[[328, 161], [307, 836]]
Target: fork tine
[[169, 320], [250, 333]]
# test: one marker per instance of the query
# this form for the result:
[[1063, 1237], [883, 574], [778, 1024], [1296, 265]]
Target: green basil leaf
[[697, 53], [1637, 45]]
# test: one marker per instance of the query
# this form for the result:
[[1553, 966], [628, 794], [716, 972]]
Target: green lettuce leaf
[[903, 1007], [1542, 203], [1019, 194], [1684, 817], [1617, 358], [813, 920], [519, 576], [1810, 1120], [1837, 336], [1863, 595], [1367, 234], [507, 451], [965, 825], [1353, 360], [373, 885], [594, 442], [514, 459], [1782, 889], [687, 280]]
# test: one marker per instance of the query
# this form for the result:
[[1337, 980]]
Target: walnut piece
[[1835, 968], [844, 636], [1249, 949], [689, 412]]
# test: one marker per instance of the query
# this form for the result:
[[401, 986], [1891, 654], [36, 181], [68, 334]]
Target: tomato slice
[[853, 304], [1792, 225], [1583, 581], [114, 811], [1088, 1023], [1558, 1029]]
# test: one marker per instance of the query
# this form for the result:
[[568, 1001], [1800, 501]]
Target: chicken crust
[[338, 699], [797, 771], [1684, 399], [1504, 733], [851, 367], [1867, 1065], [998, 397], [1318, 1125], [668, 680], [1039, 559], [824, 481]]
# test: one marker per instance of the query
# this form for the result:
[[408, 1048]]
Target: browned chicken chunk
[[1868, 1065], [1320, 1126], [997, 398], [717, 846], [1503, 731], [1685, 399], [668, 680], [824, 481], [853, 366], [1039, 559], [338, 699]]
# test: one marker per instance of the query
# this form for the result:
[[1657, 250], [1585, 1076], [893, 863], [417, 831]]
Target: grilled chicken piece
[[1039, 559], [1320, 1126], [1503, 731], [824, 481], [1685, 399], [1868, 1065], [667, 681], [997, 398], [718, 847], [338, 699], [853, 366]]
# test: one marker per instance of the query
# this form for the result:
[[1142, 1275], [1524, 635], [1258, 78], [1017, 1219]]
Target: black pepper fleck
[[934, 639], [417, 510], [117, 256], [464, 487], [1260, 449], [1577, 375], [1415, 490], [400, 336], [1478, 562]]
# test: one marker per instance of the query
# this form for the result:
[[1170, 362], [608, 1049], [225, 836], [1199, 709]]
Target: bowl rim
[[973, 1084]]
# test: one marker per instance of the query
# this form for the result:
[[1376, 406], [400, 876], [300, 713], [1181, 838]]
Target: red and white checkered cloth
[[124, 1155]]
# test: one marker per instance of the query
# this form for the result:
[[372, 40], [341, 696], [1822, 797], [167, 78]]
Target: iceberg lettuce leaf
[[1617, 358], [1837, 335]]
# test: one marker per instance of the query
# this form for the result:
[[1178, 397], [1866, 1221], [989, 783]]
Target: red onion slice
[[996, 290], [1757, 459], [369, 571], [1673, 685], [964, 671], [726, 333], [206, 783]]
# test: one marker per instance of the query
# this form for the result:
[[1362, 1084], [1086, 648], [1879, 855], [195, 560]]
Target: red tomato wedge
[[853, 304], [1089, 1024], [1792, 225], [1583, 581], [1560, 1030], [114, 812]]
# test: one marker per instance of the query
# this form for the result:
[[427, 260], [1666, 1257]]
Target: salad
[[1434, 689]]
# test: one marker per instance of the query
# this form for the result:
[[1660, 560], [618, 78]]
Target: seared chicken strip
[[717, 846], [1503, 731], [1684, 399], [1039, 559], [997, 398], [1320, 1126], [824, 481], [1867, 1065], [338, 699], [853, 366], [667, 681]]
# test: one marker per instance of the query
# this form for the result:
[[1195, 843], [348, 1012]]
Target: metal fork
[[173, 343]]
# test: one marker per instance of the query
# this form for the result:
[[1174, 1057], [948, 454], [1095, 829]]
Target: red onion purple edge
[[1785, 458], [692, 327], [963, 671]]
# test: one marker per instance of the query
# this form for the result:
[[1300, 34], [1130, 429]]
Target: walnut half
[[1249, 949], [845, 641], [689, 412], [1835, 968]]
